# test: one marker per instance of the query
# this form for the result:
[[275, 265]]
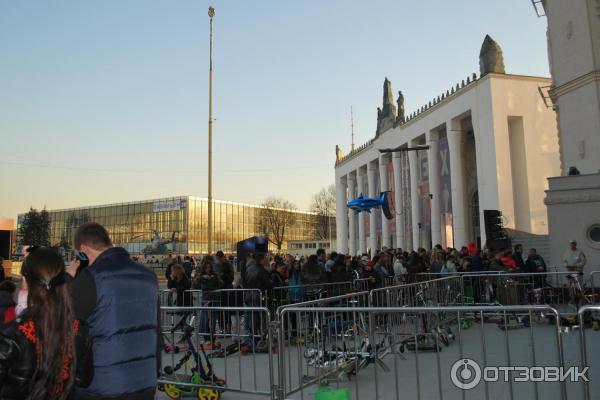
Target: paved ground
[[427, 375]]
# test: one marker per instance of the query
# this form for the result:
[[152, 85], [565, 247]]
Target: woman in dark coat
[[180, 284], [313, 276], [340, 273], [208, 281]]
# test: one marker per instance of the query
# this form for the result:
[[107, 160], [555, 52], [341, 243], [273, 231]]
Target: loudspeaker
[[5, 244]]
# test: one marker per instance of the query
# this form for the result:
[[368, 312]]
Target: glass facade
[[177, 224]]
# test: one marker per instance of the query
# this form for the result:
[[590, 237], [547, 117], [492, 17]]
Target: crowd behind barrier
[[343, 331], [387, 326]]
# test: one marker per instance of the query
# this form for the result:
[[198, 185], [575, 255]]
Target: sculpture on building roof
[[386, 115], [389, 109], [490, 57], [339, 154], [400, 103]]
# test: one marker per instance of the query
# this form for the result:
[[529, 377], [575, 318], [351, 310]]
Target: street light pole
[[211, 14]]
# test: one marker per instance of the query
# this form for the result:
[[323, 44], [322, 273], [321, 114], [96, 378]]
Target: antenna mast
[[352, 126]]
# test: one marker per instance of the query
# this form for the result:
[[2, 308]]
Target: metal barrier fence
[[589, 348], [439, 361], [199, 360], [285, 295], [404, 330], [563, 290], [363, 284], [442, 291], [225, 297], [166, 297]]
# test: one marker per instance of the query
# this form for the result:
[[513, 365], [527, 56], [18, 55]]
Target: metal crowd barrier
[[589, 348], [224, 297], [435, 292], [414, 361], [202, 361], [408, 340], [363, 284], [558, 289], [166, 297], [285, 295]]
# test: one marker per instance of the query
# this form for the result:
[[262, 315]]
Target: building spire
[[491, 58]]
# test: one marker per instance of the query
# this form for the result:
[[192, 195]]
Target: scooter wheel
[[208, 394], [172, 391], [401, 348]]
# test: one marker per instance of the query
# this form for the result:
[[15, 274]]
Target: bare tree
[[277, 217], [323, 203]]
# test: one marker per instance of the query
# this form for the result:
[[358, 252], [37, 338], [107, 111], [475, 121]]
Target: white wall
[[574, 48], [519, 97], [573, 206], [570, 39]]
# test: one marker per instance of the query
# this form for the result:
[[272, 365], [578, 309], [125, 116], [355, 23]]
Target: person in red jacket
[[509, 261]]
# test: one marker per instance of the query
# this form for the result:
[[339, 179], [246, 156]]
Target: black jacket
[[313, 274], [535, 264], [227, 275], [340, 273], [257, 278], [518, 257], [207, 282], [184, 299], [18, 357]]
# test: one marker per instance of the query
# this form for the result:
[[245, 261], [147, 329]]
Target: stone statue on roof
[[400, 103], [339, 154], [389, 109]]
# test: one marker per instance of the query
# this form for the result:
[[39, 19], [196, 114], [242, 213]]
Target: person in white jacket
[[574, 259]]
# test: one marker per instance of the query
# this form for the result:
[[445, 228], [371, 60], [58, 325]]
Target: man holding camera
[[114, 297]]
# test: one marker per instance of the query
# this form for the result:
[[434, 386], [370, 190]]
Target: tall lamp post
[[211, 14]]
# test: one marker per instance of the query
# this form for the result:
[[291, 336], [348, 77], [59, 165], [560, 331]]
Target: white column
[[414, 198], [434, 187], [396, 163], [351, 215], [457, 178], [341, 221], [371, 176], [385, 225], [362, 235]]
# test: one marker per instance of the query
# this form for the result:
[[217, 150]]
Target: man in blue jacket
[[118, 299]]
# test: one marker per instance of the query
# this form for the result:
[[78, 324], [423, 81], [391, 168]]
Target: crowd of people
[[93, 331]]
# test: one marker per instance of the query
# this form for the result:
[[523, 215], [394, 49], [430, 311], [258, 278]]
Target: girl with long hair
[[181, 285], [37, 350]]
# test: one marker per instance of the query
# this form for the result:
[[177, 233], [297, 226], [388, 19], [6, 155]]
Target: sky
[[104, 101]]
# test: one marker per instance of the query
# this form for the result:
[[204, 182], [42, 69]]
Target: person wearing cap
[[574, 259]]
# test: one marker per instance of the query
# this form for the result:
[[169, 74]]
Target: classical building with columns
[[488, 143]]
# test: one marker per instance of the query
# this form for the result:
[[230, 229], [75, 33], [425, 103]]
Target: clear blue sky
[[106, 100]]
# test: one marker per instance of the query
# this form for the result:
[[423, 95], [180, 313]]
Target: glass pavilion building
[[179, 224]]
